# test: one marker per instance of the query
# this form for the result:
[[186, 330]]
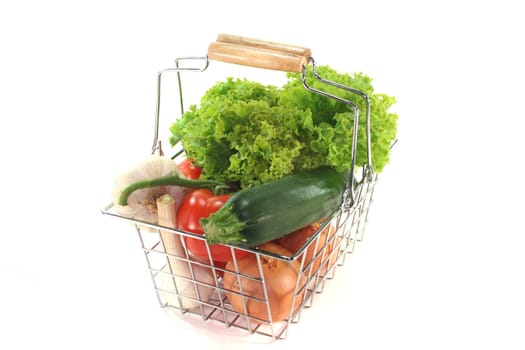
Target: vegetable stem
[[223, 226], [170, 180]]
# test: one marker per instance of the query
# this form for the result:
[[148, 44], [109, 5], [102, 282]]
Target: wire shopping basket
[[228, 295]]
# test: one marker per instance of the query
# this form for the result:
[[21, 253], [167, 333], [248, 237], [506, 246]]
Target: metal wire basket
[[317, 259]]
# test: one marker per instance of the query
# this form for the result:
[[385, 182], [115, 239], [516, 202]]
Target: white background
[[442, 262]]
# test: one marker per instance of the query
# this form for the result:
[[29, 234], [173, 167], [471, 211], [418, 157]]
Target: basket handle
[[259, 53], [263, 44]]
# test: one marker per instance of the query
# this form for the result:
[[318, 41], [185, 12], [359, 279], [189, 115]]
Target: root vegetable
[[281, 278], [141, 204], [181, 278], [319, 250]]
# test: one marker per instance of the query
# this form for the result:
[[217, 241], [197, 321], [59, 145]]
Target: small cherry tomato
[[189, 170]]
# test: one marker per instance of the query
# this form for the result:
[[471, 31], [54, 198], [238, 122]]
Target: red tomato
[[189, 169], [197, 204]]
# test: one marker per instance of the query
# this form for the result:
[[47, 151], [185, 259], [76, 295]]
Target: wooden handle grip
[[259, 53], [262, 44]]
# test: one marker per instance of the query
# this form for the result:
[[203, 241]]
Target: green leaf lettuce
[[248, 133]]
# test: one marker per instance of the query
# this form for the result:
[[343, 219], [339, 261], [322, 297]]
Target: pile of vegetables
[[177, 198], [265, 166]]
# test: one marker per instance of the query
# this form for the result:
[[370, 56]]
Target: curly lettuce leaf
[[340, 116], [248, 142], [248, 133]]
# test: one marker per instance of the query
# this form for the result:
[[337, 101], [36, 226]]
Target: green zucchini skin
[[274, 209]]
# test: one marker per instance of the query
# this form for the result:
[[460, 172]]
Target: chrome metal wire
[[178, 69]]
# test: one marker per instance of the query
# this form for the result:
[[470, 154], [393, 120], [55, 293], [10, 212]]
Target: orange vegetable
[[281, 279], [319, 251]]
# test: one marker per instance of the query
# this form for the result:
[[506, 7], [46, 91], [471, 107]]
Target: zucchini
[[271, 210]]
